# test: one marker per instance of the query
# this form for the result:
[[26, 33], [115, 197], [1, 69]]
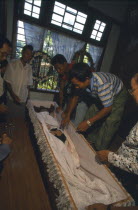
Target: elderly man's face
[[134, 87], [4, 52]]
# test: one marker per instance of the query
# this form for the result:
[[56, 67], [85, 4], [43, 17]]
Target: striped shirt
[[105, 86]]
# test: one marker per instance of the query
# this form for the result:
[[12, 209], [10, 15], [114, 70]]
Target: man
[[67, 90], [5, 50], [5, 141], [18, 78], [125, 159], [5, 149], [103, 118]]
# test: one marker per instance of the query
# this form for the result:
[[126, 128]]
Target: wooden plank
[[21, 185]]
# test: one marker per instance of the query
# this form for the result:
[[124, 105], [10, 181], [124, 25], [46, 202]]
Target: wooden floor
[[21, 186]]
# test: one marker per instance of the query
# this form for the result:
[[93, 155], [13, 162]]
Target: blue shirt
[[105, 86], [4, 151]]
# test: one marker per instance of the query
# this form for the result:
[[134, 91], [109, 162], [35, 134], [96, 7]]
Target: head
[[80, 75], [5, 48], [27, 53], [60, 63], [134, 87]]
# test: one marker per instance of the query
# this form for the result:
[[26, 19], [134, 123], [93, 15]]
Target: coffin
[[72, 167]]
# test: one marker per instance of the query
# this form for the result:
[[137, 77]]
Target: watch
[[89, 123]]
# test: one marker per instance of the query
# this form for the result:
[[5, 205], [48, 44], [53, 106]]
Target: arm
[[62, 85], [122, 162], [101, 114], [70, 107], [13, 95]]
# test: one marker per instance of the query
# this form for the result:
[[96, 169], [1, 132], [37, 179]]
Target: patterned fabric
[[105, 86], [127, 155]]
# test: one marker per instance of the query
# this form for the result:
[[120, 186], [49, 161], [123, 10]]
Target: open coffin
[[72, 167]]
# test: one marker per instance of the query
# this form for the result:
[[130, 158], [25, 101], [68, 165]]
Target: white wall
[[10, 15], [113, 9], [110, 48]]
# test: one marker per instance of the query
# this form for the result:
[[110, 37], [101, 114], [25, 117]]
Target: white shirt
[[126, 157], [19, 77]]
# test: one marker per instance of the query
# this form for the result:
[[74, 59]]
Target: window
[[68, 18], [20, 40], [98, 30], [32, 8]]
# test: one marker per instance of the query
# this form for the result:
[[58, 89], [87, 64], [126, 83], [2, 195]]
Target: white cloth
[[1, 86], [83, 190], [126, 157], [20, 77]]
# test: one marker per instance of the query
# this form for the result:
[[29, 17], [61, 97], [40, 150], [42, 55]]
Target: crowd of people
[[98, 99]]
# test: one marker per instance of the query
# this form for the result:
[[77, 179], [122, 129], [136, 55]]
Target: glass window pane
[[57, 18], [20, 31], [35, 15], [36, 10], [27, 12], [80, 19], [59, 4], [28, 6], [20, 37], [20, 43], [94, 32], [99, 34], [30, 1], [98, 39], [67, 27], [79, 26], [103, 24], [68, 18], [59, 10], [93, 37], [56, 23], [20, 24], [98, 22], [101, 28], [82, 14], [69, 9], [77, 31], [37, 2], [96, 26]]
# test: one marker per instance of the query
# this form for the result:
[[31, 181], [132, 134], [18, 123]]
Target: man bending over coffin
[[67, 89], [103, 117]]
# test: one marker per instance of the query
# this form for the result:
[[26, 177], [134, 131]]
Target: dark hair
[[58, 59], [27, 47], [4, 40], [81, 71]]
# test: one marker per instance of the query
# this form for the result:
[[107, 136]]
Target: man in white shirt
[[18, 78]]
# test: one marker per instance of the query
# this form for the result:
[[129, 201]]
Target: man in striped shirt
[[103, 117]]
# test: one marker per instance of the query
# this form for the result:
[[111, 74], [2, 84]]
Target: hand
[[16, 99], [65, 121], [103, 155], [6, 139], [83, 126], [97, 206], [3, 108], [58, 109]]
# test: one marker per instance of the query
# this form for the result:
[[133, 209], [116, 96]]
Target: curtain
[[65, 45], [96, 53], [34, 35]]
